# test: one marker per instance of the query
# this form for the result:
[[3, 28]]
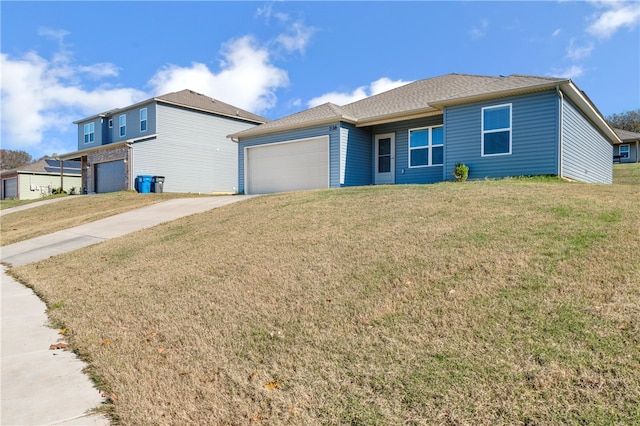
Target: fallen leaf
[[106, 342], [162, 350], [273, 385], [63, 331], [58, 346], [253, 376]]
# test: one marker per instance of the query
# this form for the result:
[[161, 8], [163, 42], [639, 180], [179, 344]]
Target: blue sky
[[63, 61]]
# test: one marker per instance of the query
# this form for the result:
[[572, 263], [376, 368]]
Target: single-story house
[[626, 151], [497, 126], [40, 178], [180, 136]]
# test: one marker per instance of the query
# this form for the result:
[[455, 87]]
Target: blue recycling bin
[[143, 182]]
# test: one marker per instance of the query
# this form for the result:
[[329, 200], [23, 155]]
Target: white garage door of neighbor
[[110, 177], [287, 166]]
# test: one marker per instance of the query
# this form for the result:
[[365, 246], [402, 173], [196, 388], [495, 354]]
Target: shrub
[[461, 172]]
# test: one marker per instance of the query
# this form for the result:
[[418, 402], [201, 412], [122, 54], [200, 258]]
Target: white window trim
[[429, 146], [121, 125], [627, 153], [146, 121], [91, 131], [483, 132]]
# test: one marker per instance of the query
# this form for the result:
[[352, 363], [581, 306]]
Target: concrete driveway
[[44, 386]]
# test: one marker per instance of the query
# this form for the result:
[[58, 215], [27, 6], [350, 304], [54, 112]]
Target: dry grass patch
[[507, 302], [626, 174], [76, 210]]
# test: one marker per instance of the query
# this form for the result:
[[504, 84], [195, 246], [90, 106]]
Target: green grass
[[626, 174], [13, 202], [498, 302]]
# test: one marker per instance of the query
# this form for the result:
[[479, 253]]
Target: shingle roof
[[422, 96], [627, 136], [190, 99], [193, 100]]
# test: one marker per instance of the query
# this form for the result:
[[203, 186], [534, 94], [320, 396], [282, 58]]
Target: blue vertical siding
[[332, 130], [534, 138], [586, 153], [404, 174], [355, 155]]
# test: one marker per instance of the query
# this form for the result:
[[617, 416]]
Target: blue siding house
[[498, 126], [180, 136], [628, 150]]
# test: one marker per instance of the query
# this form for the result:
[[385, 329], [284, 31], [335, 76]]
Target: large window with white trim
[[89, 132], [496, 130], [122, 120], [143, 120], [426, 146], [624, 151]]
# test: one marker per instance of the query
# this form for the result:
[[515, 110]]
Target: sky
[[64, 61]]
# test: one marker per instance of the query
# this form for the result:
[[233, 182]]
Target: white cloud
[[40, 94], [577, 53], [296, 38], [479, 31], [556, 33], [341, 98], [246, 79], [572, 72], [616, 16]]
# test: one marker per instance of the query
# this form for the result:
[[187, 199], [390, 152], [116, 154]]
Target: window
[[111, 123], [89, 132], [624, 151], [426, 146], [143, 120], [496, 130], [123, 125]]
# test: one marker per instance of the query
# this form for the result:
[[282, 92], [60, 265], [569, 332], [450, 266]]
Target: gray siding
[[98, 140], [331, 130], [633, 152], [133, 123], [355, 156], [534, 149], [586, 153], [191, 151], [404, 174]]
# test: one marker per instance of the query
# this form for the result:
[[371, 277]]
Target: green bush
[[461, 172]]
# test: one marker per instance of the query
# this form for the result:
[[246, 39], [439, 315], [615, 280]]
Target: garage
[[9, 188], [287, 166], [110, 176]]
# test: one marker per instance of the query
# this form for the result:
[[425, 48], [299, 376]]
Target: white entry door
[[385, 158]]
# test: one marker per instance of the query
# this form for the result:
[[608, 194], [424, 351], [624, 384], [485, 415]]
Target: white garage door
[[287, 166], [10, 189], [110, 177]]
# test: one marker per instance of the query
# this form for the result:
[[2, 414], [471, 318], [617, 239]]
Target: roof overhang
[[79, 154], [236, 117], [582, 101], [257, 131], [405, 115]]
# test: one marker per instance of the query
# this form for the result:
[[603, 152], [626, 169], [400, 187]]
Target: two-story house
[[180, 136]]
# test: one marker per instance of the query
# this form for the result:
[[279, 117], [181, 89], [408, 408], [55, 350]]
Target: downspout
[[129, 163], [560, 127], [61, 174]]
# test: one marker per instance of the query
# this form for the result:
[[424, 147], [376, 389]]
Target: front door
[[385, 147]]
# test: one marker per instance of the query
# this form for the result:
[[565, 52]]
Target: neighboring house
[[39, 179], [180, 136], [416, 133], [627, 150]]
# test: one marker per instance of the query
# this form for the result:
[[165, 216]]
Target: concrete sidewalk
[[43, 386]]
